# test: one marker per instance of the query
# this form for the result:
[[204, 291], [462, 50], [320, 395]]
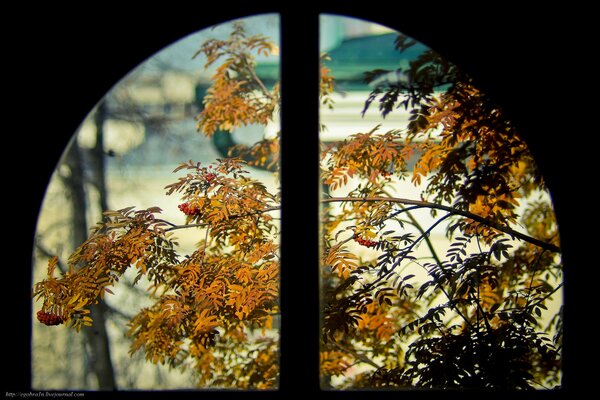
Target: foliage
[[214, 309], [232, 100], [480, 316], [399, 308]]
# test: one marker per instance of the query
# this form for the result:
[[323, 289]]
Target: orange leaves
[[368, 156], [429, 161], [470, 152], [377, 320], [126, 238], [340, 260], [230, 287], [335, 362], [326, 84], [215, 292], [243, 299], [255, 292], [215, 296], [238, 43], [205, 322], [228, 105], [338, 177], [255, 296], [264, 153], [237, 96], [235, 209], [493, 208], [151, 329], [244, 274], [52, 266]]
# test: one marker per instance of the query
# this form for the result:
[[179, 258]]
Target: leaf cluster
[[468, 150], [473, 318], [234, 207], [237, 96], [370, 156], [213, 309], [217, 296], [126, 238]]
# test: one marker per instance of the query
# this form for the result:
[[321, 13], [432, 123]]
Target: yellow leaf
[[73, 299]]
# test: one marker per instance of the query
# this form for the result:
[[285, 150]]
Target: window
[[177, 185], [292, 355], [420, 287]]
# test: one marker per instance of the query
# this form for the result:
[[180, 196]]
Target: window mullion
[[300, 204]]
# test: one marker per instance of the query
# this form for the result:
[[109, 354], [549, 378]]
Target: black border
[[62, 60]]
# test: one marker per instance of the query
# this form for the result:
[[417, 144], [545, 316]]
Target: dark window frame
[[60, 67]]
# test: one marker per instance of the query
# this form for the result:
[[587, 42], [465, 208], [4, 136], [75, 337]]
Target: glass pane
[[157, 246], [441, 263]]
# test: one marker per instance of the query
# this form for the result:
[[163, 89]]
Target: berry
[[49, 319], [365, 242], [209, 177], [189, 209]]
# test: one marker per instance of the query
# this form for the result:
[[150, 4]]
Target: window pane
[[441, 263], [158, 241]]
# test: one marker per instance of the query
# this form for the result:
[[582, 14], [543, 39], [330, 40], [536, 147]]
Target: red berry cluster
[[189, 209], [365, 242], [49, 319], [210, 177]]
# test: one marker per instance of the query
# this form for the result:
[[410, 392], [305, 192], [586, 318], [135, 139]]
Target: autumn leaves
[[237, 97], [214, 310]]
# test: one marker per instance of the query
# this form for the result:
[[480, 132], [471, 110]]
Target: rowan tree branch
[[451, 210], [259, 82], [174, 227], [419, 203]]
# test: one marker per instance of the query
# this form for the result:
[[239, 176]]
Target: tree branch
[[47, 253], [359, 356], [451, 210], [259, 82], [116, 312], [204, 224]]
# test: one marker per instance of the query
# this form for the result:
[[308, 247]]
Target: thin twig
[[260, 83]]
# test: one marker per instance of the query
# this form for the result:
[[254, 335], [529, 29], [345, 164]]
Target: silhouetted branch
[[451, 210]]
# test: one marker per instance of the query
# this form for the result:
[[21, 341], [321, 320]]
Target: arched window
[[303, 292]]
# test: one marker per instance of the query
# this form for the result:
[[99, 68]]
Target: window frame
[[59, 98]]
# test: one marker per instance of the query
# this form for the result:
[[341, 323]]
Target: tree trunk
[[96, 335], [98, 157]]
